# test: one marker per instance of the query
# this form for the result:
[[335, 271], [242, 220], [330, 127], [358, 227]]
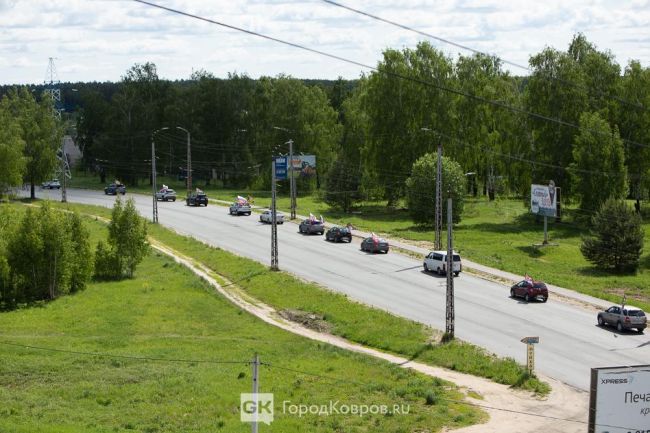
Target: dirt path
[[510, 411]]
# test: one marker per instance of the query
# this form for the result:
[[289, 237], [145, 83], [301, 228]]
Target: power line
[[457, 92], [475, 51]]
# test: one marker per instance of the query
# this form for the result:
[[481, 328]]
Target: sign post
[[530, 353], [543, 202]]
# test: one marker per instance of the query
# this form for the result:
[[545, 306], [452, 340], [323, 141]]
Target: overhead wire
[[475, 51], [379, 70]]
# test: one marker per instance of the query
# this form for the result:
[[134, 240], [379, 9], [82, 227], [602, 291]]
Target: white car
[[166, 194], [51, 184], [436, 261], [266, 217]]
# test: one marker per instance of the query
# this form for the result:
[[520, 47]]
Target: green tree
[[127, 239], [343, 184], [616, 240], [12, 161], [81, 266], [40, 131], [421, 189], [599, 172], [634, 123], [39, 255], [397, 109]]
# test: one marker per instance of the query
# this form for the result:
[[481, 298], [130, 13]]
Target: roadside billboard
[[543, 200], [304, 165], [619, 400]]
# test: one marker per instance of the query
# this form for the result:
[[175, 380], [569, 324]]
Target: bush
[[107, 267], [616, 240]]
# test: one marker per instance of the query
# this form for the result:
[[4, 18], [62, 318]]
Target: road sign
[[530, 353], [280, 167]]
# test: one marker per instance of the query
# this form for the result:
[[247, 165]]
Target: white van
[[436, 261]]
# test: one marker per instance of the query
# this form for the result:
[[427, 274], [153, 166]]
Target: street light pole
[[292, 181], [274, 222]]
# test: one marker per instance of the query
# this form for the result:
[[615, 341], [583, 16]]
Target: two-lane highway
[[570, 341]]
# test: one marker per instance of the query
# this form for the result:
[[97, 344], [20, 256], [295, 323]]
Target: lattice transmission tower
[[53, 91]]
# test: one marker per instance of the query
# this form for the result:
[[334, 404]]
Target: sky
[[99, 40]]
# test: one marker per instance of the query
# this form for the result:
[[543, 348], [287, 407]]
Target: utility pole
[[274, 222], [292, 181], [153, 178], [449, 316], [256, 364], [189, 164], [64, 172], [438, 239]]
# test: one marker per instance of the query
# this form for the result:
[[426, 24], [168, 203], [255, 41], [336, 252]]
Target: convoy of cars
[[624, 317]]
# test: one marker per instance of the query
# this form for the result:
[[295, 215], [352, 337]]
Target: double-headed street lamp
[[153, 167]]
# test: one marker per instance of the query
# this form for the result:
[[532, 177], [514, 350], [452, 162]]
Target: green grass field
[[165, 312]]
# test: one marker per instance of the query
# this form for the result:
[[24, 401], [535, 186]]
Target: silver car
[[311, 227], [166, 194], [267, 217], [626, 317]]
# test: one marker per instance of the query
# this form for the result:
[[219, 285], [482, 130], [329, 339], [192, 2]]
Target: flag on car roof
[[375, 238], [322, 221], [528, 278], [241, 200], [312, 218]]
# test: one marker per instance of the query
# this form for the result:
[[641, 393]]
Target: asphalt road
[[570, 341]]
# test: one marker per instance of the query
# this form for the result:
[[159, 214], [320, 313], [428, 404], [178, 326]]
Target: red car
[[529, 290]]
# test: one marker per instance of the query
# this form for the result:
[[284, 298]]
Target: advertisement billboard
[[304, 165], [619, 400], [543, 200]]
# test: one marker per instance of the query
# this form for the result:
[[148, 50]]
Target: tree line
[[578, 119]]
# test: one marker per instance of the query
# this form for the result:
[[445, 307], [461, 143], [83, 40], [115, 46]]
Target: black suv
[[114, 189], [197, 199], [338, 234]]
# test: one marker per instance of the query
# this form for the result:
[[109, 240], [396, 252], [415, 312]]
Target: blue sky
[[98, 40]]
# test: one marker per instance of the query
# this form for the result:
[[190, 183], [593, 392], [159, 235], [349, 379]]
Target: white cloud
[[101, 39]]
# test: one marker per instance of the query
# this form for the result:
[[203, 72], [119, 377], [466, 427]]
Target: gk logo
[[256, 407]]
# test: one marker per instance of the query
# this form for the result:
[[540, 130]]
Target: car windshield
[[539, 285], [456, 258]]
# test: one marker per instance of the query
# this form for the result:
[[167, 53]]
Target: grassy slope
[[167, 312], [349, 319]]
